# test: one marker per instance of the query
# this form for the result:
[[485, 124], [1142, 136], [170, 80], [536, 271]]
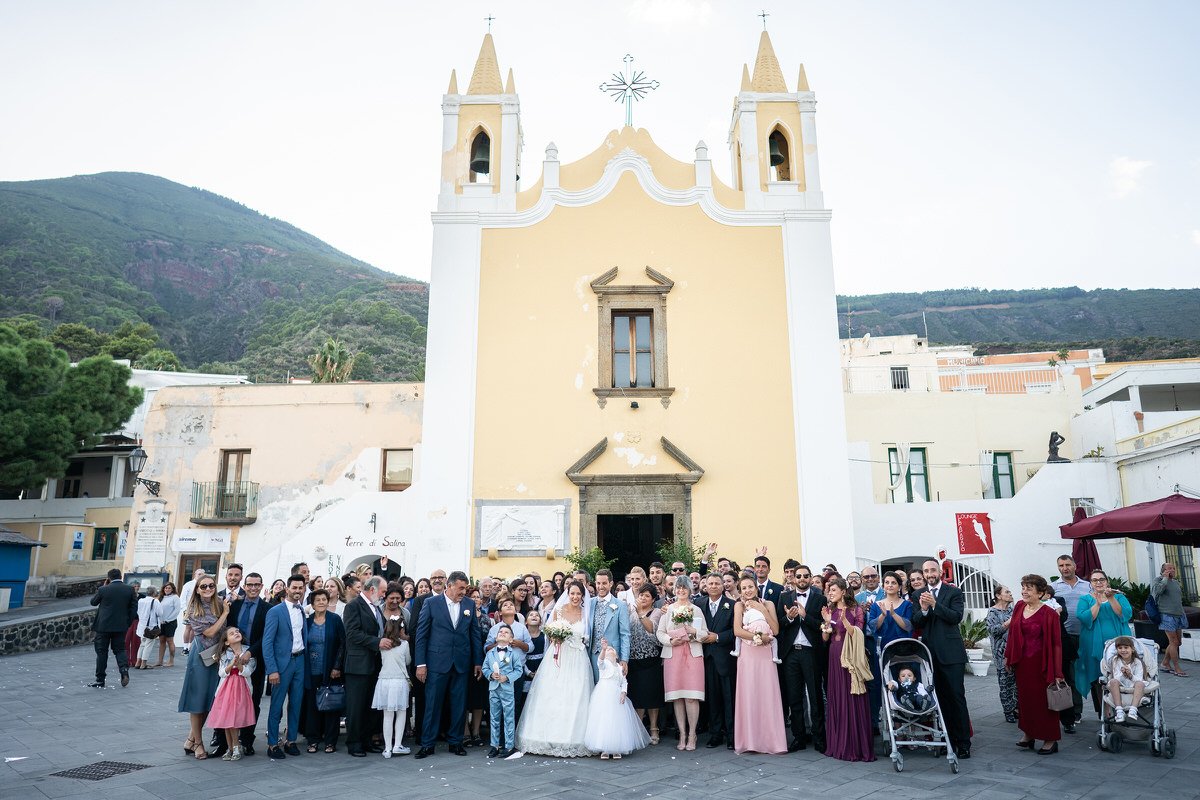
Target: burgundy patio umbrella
[[1170, 520], [1083, 550]]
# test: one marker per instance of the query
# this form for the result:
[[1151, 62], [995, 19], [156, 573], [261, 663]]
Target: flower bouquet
[[558, 632], [680, 617]]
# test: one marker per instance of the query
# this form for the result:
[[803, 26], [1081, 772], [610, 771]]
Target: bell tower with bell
[[481, 139], [773, 137]]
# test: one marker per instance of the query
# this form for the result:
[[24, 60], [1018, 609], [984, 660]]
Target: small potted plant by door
[[972, 634]]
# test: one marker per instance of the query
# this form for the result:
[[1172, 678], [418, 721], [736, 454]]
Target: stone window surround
[[651, 298]]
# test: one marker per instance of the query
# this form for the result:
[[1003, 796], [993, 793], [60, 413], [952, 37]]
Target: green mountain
[[224, 286], [1129, 324]]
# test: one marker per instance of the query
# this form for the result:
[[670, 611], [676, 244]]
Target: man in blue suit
[[449, 649], [609, 622], [284, 644]]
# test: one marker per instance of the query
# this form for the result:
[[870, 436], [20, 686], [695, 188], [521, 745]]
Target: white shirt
[[455, 608], [185, 595], [297, 617], [802, 601]]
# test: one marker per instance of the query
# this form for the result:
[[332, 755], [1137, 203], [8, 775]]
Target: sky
[[1022, 144]]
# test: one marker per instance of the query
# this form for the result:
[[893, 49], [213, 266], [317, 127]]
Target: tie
[[712, 608], [245, 617]]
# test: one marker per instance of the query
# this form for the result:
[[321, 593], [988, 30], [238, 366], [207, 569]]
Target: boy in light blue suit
[[609, 621], [503, 665]]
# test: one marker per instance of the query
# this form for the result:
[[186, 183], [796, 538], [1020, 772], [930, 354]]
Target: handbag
[[208, 656], [1151, 609], [331, 698], [1058, 698], [151, 633]]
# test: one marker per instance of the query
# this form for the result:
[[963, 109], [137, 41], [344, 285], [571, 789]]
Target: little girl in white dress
[[392, 688], [613, 726], [754, 621]]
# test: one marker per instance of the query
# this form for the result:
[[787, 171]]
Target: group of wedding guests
[[570, 665]]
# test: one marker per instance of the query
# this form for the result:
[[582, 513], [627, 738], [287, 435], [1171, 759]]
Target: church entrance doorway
[[633, 539]]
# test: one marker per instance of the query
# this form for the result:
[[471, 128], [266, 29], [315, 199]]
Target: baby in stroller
[[910, 694], [1128, 671]]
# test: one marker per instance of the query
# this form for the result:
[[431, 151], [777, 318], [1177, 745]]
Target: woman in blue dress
[[890, 618], [1103, 614]]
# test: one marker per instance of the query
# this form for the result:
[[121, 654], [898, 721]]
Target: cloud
[[1124, 174], [670, 13]]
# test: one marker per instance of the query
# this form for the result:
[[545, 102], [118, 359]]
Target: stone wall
[[66, 630]]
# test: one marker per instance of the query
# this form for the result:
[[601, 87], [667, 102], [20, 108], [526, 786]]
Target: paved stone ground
[[52, 722]]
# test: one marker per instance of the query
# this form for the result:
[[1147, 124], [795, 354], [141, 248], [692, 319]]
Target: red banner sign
[[974, 534]]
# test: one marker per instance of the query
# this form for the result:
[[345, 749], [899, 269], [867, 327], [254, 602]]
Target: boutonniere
[[467, 612], [770, 592], [612, 606], [726, 606]]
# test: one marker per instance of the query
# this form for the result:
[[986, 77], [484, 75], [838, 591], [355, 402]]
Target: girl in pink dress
[[757, 708], [232, 706]]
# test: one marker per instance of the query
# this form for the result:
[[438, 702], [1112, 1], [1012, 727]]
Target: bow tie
[[501, 649]]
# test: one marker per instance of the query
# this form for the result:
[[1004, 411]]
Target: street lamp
[[137, 462]]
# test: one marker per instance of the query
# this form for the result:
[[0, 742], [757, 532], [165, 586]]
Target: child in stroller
[[910, 694], [1128, 672]]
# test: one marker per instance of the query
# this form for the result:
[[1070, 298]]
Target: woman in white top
[[168, 610], [149, 616]]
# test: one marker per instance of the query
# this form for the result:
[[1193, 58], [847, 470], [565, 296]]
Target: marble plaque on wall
[[521, 527]]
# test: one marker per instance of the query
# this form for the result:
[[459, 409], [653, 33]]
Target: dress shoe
[[819, 747], [729, 743], [357, 753], [495, 751], [424, 752], [96, 685], [1069, 728], [291, 749], [1010, 718], [458, 749], [796, 747], [716, 741], [124, 678], [1045, 752], [247, 749], [276, 753], [374, 747], [1028, 745], [219, 751], [512, 751], [963, 753]]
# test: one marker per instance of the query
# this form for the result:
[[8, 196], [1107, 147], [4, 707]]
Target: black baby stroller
[[906, 727], [1150, 723]]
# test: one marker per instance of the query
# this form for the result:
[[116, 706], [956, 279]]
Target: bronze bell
[[481, 155], [776, 155]]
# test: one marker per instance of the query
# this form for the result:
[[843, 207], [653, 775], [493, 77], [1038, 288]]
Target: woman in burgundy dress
[[847, 714], [1034, 654]]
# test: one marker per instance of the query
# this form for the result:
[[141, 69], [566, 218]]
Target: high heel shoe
[[190, 745], [654, 736], [691, 742], [1044, 752], [1026, 744]]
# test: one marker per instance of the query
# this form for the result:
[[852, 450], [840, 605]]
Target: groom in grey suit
[[609, 622]]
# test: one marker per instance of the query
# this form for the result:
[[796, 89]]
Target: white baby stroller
[[1147, 727], [906, 727]]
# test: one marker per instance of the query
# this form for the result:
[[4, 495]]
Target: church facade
[[629, 351]]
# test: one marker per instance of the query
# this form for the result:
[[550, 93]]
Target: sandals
[[330, 748], [1180, 674], [654, 735], [691, 743], [190, 745], [314, 747], [200, 753]]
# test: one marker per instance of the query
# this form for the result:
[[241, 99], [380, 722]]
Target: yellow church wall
[[731, 410], [586, 172], [457, 162]]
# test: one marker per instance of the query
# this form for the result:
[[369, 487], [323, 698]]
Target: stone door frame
[[653, 493]]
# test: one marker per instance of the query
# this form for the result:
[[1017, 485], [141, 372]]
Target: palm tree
[[332, 363]]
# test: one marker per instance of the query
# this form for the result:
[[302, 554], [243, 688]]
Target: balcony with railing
[[221, 503]]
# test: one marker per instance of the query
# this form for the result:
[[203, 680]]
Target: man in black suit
[[448, 653], [364, 642], [803, 652], [386, 568], [437, 580], [939, 610], [249, 615], [117, 611], [719, 665]]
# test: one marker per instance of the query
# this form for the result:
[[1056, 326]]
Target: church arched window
[[481, 157], [781, 155]]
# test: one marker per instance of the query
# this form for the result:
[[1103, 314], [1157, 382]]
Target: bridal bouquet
[[558, 632]]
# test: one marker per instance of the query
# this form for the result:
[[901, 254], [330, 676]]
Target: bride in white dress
[[555, 717]]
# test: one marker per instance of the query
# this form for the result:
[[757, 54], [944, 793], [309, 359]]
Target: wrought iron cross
[[764, 16], [489, 19], [628, 87]]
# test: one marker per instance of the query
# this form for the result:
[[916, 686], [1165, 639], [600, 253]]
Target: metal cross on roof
[[764, 16], [628, 87], [489, 19]]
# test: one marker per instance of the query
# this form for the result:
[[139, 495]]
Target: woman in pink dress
[[680, 629], [757, 708]]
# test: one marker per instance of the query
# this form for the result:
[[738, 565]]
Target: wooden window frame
[[650, 299], [997, 476], [908, 474], [384, 486]]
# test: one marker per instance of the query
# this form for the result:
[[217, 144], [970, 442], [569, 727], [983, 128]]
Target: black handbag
[[151, 633], [331, 698]]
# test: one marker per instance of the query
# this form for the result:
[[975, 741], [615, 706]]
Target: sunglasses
[[678, 569], [208, 586]]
